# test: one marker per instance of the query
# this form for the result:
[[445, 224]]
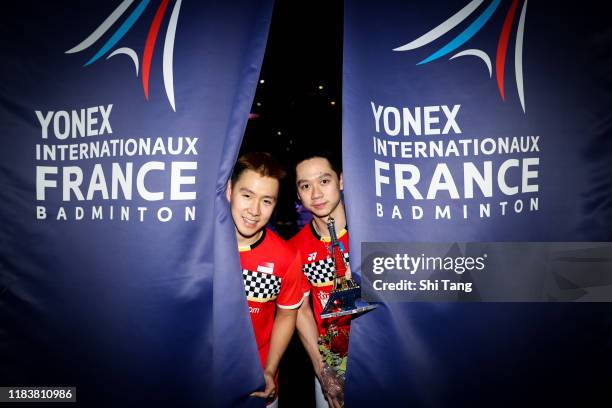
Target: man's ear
[[341, 182], [228, 190]]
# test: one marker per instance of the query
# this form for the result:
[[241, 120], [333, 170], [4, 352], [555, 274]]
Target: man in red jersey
[[319, 186], [271, 269]]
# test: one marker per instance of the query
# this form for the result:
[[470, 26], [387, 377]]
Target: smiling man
[[319, 185], [271, 269]]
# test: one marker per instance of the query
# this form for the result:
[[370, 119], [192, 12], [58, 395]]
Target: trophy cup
[[344, 298]]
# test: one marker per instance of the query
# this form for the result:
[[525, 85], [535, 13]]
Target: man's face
[[318, 186], [252, 200]]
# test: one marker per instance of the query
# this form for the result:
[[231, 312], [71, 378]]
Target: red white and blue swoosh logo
[[462, 38], [109, 47]]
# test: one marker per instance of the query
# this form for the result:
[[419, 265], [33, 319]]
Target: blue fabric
[[421, 354], [132, 312]]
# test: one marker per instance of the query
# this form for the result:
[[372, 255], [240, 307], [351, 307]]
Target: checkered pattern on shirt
[[262, 286], [321, 271]]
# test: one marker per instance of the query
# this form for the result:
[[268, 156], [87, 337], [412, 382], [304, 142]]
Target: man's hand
[[270, 390], [334, 403], [348, 275], [333, 388], [284, 324]]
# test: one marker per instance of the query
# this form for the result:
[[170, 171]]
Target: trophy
[[344, 298]]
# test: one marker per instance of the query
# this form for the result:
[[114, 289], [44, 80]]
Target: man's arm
[[284, 324], [309, 335]]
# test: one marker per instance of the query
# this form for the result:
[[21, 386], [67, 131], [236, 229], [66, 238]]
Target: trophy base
[[356, 310]]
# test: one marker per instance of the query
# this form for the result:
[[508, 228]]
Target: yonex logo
[[469, 32], [149, 46]]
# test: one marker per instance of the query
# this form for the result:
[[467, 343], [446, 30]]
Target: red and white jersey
[[318, 269], [272, 276]]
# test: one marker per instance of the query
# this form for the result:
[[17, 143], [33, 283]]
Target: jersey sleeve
[[305, 283], [291, 295]]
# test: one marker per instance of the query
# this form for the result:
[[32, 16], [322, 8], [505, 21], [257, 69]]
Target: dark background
[[298, 105], [298, 99]]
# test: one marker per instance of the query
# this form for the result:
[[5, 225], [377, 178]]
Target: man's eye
[[246, 195], [304, 187], [268, 202], [324, 181]]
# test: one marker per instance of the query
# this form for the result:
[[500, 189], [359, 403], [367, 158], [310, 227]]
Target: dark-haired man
[[319, 186], [271, 269]]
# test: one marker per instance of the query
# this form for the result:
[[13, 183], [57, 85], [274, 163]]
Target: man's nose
[[254, 208], [316, 192]]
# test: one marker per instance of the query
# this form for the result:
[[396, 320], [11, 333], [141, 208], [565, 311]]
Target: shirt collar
[[326, 239], [254, 244]]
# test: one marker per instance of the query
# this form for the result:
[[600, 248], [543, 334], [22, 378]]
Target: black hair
[[332, 158]]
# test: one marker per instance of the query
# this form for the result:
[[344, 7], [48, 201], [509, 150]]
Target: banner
[[121, 122], [477, 121]]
